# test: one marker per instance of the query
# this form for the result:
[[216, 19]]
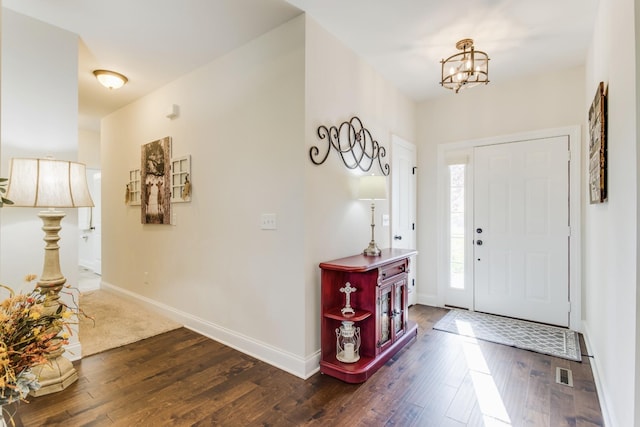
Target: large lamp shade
[[372, 187], [48, 183]]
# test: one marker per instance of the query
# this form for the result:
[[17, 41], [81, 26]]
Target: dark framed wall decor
[[598, 147], [155, 182]]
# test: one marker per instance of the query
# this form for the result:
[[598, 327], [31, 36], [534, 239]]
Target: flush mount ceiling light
[[466, 69], [110, 79]]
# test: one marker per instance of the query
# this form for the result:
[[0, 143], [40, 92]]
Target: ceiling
[[153, 42]]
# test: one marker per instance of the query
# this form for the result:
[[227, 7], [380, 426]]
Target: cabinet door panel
[[385, 308], [399, 313]]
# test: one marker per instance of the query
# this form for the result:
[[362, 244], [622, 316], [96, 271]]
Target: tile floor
[[88, 280]]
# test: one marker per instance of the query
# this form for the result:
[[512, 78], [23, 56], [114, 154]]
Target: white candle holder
[[348, 342]]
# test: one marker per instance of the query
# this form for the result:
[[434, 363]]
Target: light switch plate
[[385, 220]]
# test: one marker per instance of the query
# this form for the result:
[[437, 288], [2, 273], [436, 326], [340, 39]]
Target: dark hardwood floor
[[181, 378]]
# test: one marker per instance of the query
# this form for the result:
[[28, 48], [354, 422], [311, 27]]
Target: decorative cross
[[347, 291]]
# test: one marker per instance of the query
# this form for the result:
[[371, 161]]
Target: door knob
[[397, 237], [479, 242]]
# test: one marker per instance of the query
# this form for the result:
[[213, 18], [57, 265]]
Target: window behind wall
[[457, 237], [456, 223]]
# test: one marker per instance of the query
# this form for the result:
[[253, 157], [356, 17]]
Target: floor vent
[[564, 376]]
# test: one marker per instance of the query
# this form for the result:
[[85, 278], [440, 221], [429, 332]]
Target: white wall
[[611, 232], [38, 119], [340, 85], [537, 102]]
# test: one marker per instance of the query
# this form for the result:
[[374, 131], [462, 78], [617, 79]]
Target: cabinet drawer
[[393, 269]]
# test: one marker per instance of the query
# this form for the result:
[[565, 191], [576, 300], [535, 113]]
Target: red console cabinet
[[381, 311]]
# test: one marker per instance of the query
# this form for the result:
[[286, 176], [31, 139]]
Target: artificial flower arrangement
[[29, 333]]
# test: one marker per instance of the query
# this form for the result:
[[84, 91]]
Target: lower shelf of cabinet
[[364, 368]]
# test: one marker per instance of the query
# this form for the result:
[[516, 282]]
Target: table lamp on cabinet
[[372, 187]]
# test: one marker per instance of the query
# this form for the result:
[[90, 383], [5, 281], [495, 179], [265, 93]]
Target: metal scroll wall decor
[[354, 144]]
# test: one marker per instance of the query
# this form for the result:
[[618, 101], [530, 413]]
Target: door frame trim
[[397, 140], [575, 203]]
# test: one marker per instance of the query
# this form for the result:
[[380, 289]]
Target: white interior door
[[521, 230], [90, 225], [403, 204], [97, 222]]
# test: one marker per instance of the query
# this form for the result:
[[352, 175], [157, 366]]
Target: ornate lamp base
[[54, 376], [372, 249], [58, 372]]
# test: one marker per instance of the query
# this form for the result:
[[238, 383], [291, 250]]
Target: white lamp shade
[[372, 187], [48, 183]]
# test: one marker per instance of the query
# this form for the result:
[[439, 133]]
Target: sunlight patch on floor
[[491, 404], [465, 328]]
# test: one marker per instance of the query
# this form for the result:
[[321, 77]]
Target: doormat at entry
[[545, 339]]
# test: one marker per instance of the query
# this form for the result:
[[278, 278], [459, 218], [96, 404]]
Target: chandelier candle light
[[47, 183], [372, 188], [466, 69]]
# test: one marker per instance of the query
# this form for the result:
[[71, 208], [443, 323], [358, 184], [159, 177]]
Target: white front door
[[521, 230], [403, 204]]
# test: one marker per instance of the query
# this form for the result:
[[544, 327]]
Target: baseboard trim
[[73, 351], [426, 299], [601, 390], [291, 363], [89, 288]]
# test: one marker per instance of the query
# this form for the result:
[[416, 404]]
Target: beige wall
[[544, 101], [241, 120], [248, 121], [340, 85], [89, 148]]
